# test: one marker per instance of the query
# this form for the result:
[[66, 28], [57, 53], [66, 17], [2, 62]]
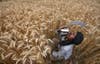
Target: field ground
[[28, 26]]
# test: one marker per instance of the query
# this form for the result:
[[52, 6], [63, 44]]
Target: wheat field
[[27, 28]]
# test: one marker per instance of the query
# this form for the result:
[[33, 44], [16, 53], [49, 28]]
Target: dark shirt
[[77, 40]]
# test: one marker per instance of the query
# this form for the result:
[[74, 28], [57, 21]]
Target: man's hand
[[56, 42]]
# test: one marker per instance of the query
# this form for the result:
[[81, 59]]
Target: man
[[67, 41]]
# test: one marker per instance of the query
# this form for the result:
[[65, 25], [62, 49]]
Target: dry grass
[[26, 28]]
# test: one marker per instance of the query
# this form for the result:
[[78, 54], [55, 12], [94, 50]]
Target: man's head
[[71, 36], [79, 37], [62, 32]]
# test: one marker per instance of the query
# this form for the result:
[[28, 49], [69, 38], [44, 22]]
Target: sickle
[[77, 22]]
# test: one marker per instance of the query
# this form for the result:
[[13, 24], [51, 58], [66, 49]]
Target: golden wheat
[[27, 28]]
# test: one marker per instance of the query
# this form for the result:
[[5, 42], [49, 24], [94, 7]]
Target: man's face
[[71, 36]]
